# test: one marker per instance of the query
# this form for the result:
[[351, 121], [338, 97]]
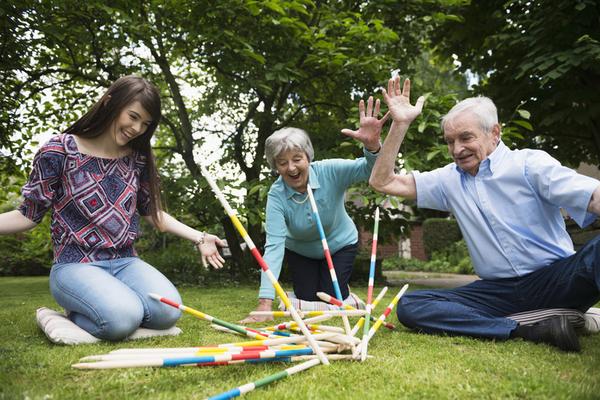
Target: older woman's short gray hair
[[483, 108], [287, 139]]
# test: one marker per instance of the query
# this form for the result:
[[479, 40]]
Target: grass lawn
[[405, 364]]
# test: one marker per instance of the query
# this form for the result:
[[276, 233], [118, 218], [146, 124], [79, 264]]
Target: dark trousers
[[310, 276], [479, 309]]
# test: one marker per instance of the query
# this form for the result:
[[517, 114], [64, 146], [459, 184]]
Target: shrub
[[453, 259], [362, 265], [404, 264], [457, 256], [439, 233], [413, 264], [27, 253], [181, 263], [465, 266]]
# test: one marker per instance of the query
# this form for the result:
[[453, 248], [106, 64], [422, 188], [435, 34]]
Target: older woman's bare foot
[[263, 305]]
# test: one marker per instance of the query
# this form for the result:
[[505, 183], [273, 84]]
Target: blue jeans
[[109, 299], [479, 309]]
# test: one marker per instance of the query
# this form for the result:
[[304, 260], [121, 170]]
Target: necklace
[[299, 201]]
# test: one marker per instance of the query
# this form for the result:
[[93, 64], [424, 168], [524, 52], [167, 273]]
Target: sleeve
[[276, 230], [143, 194], [561, 186], [349, 172], [44, 181], [430, 189]]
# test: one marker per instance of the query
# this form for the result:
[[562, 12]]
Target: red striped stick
[[386, 312], [191, 353], [263, 265], [332, 300], [334, 280], [237, 328], [365, 340], [361, 321]]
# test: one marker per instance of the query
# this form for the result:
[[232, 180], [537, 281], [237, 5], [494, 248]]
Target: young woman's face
[[132, 122], [293, 165]]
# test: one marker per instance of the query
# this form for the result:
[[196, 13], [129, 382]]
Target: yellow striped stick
[[361, 321], [240, 228], [383, 316]]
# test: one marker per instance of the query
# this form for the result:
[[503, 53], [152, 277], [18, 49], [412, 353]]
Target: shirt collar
[[313, 181], [70, 144], [497, 156]]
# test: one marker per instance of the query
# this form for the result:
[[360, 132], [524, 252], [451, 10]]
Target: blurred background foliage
[[232, 72]]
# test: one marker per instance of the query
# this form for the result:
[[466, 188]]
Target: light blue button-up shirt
[[290, 224], [509, 213]]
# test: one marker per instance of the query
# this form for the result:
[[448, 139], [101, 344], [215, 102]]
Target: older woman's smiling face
[[293, 166]]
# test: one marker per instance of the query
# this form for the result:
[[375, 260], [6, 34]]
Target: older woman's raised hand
[[369, 132], [398, 101]]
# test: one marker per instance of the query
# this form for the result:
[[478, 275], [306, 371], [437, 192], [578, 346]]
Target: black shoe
[[556, 331]]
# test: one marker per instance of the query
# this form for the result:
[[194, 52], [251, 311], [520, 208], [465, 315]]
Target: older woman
[[290, 228]]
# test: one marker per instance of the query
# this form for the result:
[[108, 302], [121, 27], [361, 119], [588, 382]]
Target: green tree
[[541, 56], [230, 73]]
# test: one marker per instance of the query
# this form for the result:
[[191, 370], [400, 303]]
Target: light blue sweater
[[290, 225]]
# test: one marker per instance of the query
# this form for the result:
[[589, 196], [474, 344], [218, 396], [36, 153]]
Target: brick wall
[[417, 249], [389, 249]]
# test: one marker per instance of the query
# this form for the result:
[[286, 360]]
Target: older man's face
[[467, 143]]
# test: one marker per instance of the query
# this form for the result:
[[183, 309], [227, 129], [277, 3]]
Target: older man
[[507, 204]]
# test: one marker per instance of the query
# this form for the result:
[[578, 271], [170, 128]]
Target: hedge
[[439, 233]]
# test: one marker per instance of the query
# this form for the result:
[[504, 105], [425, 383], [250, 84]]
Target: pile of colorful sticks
[[304, 339]]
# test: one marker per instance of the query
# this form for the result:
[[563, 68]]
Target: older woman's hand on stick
[[369, 132]]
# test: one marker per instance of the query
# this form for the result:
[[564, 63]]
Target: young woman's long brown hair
[[104, 113]]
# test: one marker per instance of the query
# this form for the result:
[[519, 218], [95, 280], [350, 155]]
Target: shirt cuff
[[372, 152]]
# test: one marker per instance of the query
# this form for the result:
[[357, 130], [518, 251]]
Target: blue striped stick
[[263, 265], [365, 338], [313, 205], [361, 321], [386, 312], [192, 353], [292, 359], [334, 280], [175, 361]]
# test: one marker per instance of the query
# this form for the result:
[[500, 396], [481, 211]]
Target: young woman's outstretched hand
[[209, 251], [205, 243]]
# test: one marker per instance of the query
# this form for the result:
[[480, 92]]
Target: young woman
[[98, 178], [290, 228]]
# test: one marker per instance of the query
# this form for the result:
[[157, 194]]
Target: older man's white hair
[[481, 107], [286, 139]]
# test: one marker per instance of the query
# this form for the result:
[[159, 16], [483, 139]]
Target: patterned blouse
[[96, 202]]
